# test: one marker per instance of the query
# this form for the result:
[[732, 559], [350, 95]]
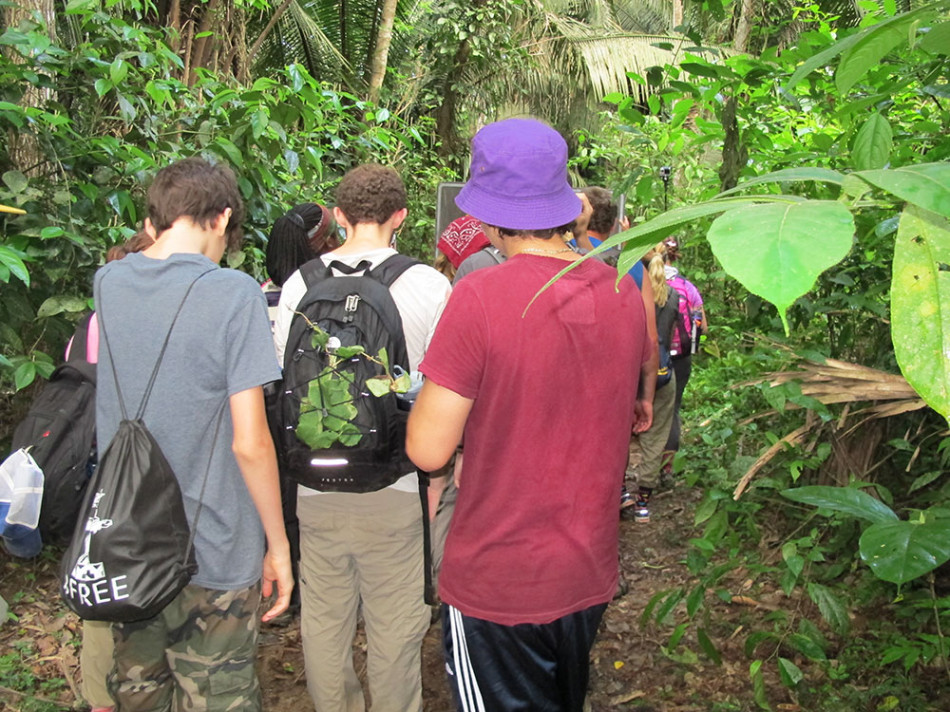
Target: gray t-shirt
[[485, 257], [221, 345]]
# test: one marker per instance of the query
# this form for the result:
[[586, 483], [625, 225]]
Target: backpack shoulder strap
[[680, 326], [314, 271], [390, 269]]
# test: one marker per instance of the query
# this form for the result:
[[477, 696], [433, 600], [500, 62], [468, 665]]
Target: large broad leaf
[[876, 42], [791, 175], [920, 305], [937, 39], [902, 551], [872, 145], [926, 185], [777, 251], [843, 499], [638, 240]]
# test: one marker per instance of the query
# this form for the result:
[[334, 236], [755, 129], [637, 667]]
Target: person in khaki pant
[[364, 552]]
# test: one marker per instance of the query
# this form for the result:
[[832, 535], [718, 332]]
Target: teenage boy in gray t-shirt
[[202, 646]]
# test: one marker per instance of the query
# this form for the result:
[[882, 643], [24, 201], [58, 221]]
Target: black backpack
[[60, 432], [333, 433], [132, 550], [667, 317]]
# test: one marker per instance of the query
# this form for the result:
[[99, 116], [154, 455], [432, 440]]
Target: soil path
[[629, 668]]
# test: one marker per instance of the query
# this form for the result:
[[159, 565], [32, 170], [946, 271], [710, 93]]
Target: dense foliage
[[116, 113], [809, 185]]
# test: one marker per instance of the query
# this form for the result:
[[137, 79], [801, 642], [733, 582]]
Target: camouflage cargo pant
[[197, 654]]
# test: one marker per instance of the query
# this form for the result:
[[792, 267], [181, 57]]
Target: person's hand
[[457, 470], [643, 418], [583, 220], [624, 223], [277, 570]]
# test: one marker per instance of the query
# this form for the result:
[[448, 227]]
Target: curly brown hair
[[370, 193], [605, 209]]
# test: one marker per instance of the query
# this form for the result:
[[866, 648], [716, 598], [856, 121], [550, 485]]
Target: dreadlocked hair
[[288, 246]]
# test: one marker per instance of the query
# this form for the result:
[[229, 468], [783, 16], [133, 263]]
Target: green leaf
[[793, 561], [347, 352], [820, 60], [873, 143], [15, 181], [118, 70], [789, 672], [102, 86], [790, 175], [259, 121], [778, 251], [758, 685], [81, 6], [831, 607], [875, 42], [937, 39], [806, 646], [695, 599], [402, 384], [230, 150], [843, 499], [13, 262], [707, 645], [924, 480], [59, 304], [920, 305], [926, 185], [902, 551], [24, 375], [378, 385]]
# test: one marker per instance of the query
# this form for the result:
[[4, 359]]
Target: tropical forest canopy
[[808, 145]]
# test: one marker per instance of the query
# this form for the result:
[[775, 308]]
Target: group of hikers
[[518, 440]]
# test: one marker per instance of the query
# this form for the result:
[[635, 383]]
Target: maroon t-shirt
[[534, 534]]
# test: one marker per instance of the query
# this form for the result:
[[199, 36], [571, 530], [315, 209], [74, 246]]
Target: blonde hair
[[655, 261]]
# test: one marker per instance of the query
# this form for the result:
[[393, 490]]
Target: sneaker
[[626, 499], [641, 512]]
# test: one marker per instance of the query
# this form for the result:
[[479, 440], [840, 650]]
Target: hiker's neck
[[365, 236], [186, 236]]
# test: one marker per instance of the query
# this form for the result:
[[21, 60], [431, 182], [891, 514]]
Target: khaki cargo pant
[[197, 655], [362, 550], [95, 662], [652, 443]]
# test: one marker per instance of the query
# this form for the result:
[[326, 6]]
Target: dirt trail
[[629, 669]]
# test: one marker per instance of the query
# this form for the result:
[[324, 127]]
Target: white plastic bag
[[21, 487]]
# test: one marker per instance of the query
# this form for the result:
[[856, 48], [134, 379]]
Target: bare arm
[[436, 424], [255, 455]]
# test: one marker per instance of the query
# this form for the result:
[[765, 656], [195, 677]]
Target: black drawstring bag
[[132, 550]]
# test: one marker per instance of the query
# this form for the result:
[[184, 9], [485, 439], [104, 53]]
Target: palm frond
[[299, 38]]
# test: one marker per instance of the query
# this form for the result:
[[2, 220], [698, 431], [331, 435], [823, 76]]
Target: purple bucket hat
[[519, 177]]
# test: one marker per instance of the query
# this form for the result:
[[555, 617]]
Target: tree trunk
[[734, 154], [22, 146], [384, 38], [740, 41], [677, 14]]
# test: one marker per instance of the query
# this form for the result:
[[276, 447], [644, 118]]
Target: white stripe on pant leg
[[461, 671], [469, 694]]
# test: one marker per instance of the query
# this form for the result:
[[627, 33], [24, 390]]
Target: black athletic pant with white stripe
[[515, 668]]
